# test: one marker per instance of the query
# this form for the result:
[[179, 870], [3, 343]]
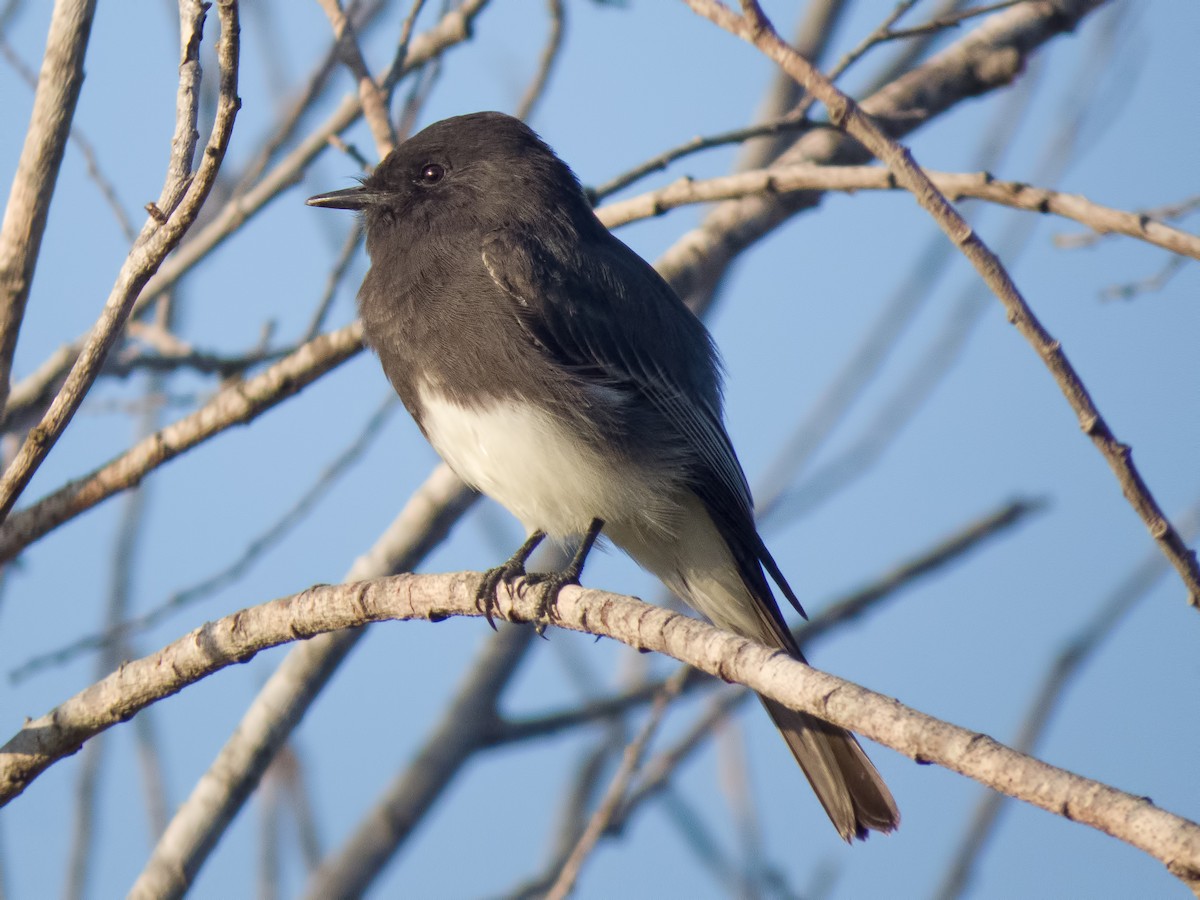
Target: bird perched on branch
[[555, 371]]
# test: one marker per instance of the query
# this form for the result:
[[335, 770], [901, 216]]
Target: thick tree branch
[[182, 196], [28, 204], [276, 710], [237, 638]]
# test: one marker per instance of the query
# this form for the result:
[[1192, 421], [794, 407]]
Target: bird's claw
[[485, 598], [551, 583]]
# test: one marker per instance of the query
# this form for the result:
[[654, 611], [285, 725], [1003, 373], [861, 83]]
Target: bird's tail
[[699, 566], [841, 775]]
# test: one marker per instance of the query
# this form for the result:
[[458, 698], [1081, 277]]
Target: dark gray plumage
[[555, 371]]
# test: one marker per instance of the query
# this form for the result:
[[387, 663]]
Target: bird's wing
[[607, 317]]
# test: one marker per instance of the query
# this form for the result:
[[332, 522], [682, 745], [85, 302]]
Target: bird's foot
[[551, 583], [504, 574]]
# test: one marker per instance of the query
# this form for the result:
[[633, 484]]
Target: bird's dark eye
[[431, 173]]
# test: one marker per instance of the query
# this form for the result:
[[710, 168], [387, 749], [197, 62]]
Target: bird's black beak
[[359, 197]]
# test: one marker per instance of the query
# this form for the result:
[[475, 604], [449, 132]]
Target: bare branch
[[955, 185], [846, 114], [986, 59], [285, 698], [123, 629], [183, 195], [1059, 675], [37, 170], [374, 104], [631, 761], [1178, 210], [554, 43], [237, 403], [1169, 838]]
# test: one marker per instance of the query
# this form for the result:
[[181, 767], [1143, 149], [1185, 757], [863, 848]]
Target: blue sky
[[969, 644]]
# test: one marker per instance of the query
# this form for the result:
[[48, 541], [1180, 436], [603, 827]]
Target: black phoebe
[[556, 372]]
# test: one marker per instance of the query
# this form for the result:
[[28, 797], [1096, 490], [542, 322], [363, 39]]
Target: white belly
[[534, 466]]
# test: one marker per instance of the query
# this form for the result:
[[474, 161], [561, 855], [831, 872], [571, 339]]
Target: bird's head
[[472, 173]]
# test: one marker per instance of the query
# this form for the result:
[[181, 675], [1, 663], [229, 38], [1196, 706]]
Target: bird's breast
[[542, 470]]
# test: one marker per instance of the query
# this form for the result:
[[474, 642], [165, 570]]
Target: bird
[[558, 373]]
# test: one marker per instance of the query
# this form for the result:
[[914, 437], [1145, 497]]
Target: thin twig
[[554, 42], [950, 20], [374, 103], [336, 274], [571, 821], [630, 762], [1148, 285], [1158, 214], [400, 60], [787, 124], [84, 145]]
